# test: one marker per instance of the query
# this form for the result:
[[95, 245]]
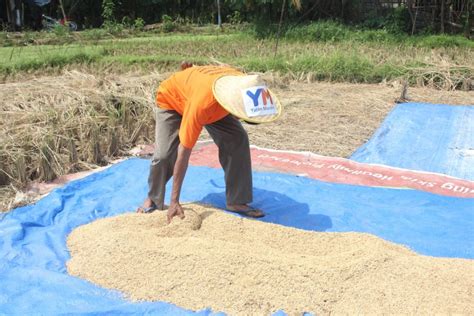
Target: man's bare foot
[[147, 206], [245, 210]]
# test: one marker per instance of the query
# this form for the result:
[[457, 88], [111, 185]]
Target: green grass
[[329, 31], [95, 35], [338, 54], [17, 59]]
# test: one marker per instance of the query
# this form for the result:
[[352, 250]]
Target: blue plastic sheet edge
[[422, 136], [33, 250]]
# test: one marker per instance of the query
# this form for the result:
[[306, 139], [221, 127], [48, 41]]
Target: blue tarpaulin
[[33, 250], [422, 136]]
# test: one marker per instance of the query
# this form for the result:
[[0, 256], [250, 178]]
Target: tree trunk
[[467, 27], [19, 15], [219, 20], [410, 12]]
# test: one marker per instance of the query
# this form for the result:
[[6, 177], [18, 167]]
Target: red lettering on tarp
[[340, 170]]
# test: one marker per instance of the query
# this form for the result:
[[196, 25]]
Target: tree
[[219, 20]]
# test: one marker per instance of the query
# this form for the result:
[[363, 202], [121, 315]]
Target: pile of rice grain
[[243, 267]]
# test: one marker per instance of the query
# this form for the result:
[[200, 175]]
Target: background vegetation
[[398, 16], [320, 51]]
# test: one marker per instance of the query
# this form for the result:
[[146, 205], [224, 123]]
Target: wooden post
[[413, 27], [410, 12], [9, 11]]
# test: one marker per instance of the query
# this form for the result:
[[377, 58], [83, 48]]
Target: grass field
[[368, 56]]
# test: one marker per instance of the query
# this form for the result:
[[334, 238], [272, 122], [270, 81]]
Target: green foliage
[[60, 30], [167, 19], [168, 23], [234, 18], [182, 24], [439, 41], [331, 31], [374, 36], [108, 10], [108, 14], [139, 24], [326, 31], [127, 22], [373, 21], [265, 14], [398, 22], [264, 28], [114, 28], [182, 21]]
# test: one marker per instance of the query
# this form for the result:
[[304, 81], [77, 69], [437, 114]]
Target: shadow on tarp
[[285, 211], [423, 136], [33, 252]]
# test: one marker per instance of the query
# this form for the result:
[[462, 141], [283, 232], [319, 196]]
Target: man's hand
[[179, 172], [175, 209]]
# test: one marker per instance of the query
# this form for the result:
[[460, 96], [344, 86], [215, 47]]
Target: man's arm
[[179, 172]]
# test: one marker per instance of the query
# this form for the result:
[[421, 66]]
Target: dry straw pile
[[56, 125]]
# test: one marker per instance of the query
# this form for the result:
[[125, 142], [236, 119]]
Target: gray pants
[[234, 156]]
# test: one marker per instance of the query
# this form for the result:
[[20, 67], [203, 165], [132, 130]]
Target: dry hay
[[442, 73], [51, 126], [246, 267]]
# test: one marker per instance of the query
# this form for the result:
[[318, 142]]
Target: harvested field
[[51, 126], [245, 267]]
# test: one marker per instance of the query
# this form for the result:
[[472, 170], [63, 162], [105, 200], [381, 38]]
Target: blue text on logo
[[265, 96]]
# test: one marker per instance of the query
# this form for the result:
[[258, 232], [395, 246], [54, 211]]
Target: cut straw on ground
[[51, 126]]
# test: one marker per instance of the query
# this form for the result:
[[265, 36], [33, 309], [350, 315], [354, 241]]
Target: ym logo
[[255, 96]]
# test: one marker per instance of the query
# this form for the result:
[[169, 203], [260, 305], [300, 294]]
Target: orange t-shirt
[[189, 92]]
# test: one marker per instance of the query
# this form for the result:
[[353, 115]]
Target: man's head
[[186, 65], [247, 98]]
